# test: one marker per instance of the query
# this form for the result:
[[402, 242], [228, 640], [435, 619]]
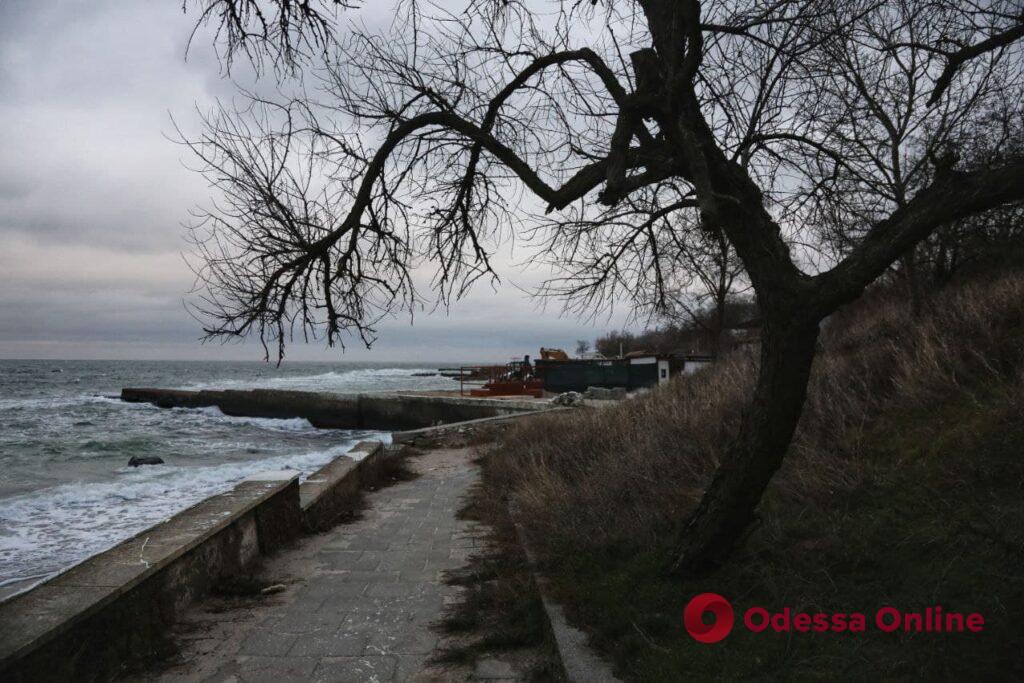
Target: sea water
[[66, 490]]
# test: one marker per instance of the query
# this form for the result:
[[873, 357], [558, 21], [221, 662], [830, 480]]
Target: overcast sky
[[93, 196]]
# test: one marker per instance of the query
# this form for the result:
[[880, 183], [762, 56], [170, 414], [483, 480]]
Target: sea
[[66, 490]]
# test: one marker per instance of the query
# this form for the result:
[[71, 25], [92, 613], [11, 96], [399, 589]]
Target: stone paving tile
[[352, 560], [301, 620], [356, 669], [344, 587], [267, 669], [408, 639], [330, 642], [267, 643], [360, 575], [365, 609], [371, 623]]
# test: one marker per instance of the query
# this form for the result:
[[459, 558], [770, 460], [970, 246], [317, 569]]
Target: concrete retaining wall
[[427, 436], [337, 411], [580, 664], [333, 490], [115, 607]]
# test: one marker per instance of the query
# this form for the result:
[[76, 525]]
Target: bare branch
[[957, 59], [953, 196], [282, 30]]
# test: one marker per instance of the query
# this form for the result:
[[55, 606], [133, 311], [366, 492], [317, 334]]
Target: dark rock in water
[[145, 460]]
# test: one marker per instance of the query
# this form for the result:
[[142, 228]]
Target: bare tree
[[601, 132], [712, 278], [280, 31]]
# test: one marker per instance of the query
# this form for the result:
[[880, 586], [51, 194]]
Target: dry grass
[[903, 486], [626, 476], [500, 613]]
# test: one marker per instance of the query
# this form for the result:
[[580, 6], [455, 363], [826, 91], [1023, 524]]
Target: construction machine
[[553, 354]]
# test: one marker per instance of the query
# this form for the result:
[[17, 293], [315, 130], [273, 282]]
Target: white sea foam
[[363, 379], [53, 528], [355, 375], [69, 402], [215, 414]]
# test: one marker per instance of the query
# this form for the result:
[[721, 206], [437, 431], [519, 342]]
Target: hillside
[[903, 488]]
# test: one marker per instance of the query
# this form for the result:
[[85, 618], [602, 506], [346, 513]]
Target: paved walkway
[[364, 596]]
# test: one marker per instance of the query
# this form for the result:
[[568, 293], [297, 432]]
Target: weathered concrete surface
[[362, 597], [334, 489], [322, 410], [427, 435], [87, 621], [579, 662], [337, 411]]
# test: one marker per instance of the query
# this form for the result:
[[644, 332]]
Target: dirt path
[[360, 599]]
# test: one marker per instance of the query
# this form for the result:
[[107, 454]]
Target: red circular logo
[[693, 618]]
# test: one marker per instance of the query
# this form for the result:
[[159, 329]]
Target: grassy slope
[[909, 495], [940, 525]]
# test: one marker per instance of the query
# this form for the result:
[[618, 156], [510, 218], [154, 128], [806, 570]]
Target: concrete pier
[[390, 412]]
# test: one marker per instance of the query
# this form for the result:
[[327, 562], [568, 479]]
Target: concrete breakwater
[[337, 411], [88, 622]]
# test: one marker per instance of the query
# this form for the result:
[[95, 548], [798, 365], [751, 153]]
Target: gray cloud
[[93, 194]]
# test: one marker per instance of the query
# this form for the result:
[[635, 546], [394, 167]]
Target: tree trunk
[[913, 279], [728, 505], [719, 322]]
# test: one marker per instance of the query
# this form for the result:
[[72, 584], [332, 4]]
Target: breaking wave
[[66, 492], [359, 380], [54, 528]]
